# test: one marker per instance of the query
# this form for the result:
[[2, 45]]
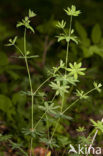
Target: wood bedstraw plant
[[64, 77]]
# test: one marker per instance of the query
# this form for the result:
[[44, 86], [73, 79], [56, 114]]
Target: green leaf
[[60, 88], [61, 115], [61, 24], [67, 79], [96, 34], [28, 57], [4, 138], [49, 107], [6, 106], [98, 125], [97, 86], [50, 142], [75, 69], [5, 103], [31, 132], [26, 22], [80, 129], [81, 30], [19, 24], [29, 27], [85, 141], [31, 14], [67, 38], [63, 140], [81, 94], [12, 41], [16, 146], [17, 98], [72, 11], [13, 74]]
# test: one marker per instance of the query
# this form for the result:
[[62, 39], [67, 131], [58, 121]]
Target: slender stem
[[58, 118], [42, 85], [19, 50], [40, 120], [55, 129], [44, 113], [71, 105], [30, 82], [78, 100], [66, 60], [31, 89], [47, 125], [62, 103], [91, 133], [20, 149], [93, 139], [25, 41], [53, 98], [53, 134]]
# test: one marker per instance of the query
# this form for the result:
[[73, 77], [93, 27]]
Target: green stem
[[42, 85], [20, 149], [30, 82], [31, 89], [62, 103], [58, 119], [94, 136], [39, 120], [25, 41], [47, 125], [53, 97], [78, 100], [55, 129], [19, 50], [66, 60]]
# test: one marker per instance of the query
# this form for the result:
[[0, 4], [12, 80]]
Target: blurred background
[[13, 77]]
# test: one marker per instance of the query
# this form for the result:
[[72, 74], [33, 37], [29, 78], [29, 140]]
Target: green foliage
[[63, 141], [26, 107], [31, 14], [96, 34], [61, 24], [60, 89], [67, 79], [50, 143], [97, 86], [26, 21], [81, 129], [81, 94], [6, 106], [81, 30], [12, 41], [67, 37], [75, 69], [4, 138], [31, 132], [89, 46], [97, 125], [84, 141], [49, 108], [72, 11]]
